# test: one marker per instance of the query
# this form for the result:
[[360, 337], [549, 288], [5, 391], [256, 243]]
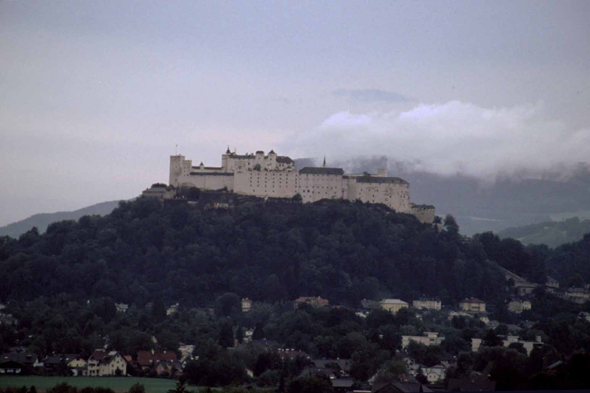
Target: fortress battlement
[[274, 176]]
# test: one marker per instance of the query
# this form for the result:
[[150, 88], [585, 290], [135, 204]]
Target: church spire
[[324, 164], [227, 152]]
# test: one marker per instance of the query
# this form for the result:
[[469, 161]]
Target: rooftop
[[322, 171]]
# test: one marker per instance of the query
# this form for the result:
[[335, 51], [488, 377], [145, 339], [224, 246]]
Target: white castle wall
[[275, 176]]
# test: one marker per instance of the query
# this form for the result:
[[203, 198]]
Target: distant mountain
[[42, 221], [551, 233]]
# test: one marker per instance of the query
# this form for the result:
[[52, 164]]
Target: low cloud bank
[[452, 138]]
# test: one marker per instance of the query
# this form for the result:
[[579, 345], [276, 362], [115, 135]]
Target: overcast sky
[[94, 95]]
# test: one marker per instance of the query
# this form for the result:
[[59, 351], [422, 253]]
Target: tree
[[226, 334], [180, 387], [158, 310], [228, 303], [491, 339]]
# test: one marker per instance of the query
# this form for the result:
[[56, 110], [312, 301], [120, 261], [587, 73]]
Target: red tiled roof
[[99, 354], [146, 358]]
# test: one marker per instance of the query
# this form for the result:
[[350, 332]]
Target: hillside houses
[[429, 338], [393, 305], [102, 363], [473, 305]]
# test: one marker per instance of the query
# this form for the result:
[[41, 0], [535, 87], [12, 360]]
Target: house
[[122, 307], [148, 359], [186, 349], [113, 364], [434, 374], [10, 367], [507, 340], [29, 360], [472, 305], [577, 295], [518, 306], [102, 363], [342, 385], [584, 316], [58, 363], [474, 383], [393, 305], [291, 354], [522, 286], [429, 338], [173, 309], [78, 366], [246, 304], [459, 314], [427, 304], [370, 304], [315, 302], [552, 283], [399, 387], [166, 368], [8, 319]]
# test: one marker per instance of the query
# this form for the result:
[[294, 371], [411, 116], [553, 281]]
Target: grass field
[[118, 384]]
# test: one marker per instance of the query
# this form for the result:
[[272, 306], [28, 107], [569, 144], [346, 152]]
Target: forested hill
[[551, 233], [339, 250]]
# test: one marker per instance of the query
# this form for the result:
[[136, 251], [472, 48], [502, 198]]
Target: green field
[[119, 384]]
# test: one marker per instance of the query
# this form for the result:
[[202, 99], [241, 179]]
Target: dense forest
[[151, 255], [340, 250]]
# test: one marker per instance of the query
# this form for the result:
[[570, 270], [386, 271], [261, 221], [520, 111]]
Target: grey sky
[[94, 95]]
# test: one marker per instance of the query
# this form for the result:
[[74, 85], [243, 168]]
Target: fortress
[[275, 176]]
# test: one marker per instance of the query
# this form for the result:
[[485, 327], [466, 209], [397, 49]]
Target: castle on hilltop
[[275, 176]]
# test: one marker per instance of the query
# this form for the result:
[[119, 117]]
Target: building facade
[[473, 305], [393, 305], [427, 304], [429, 338], [275, 176]]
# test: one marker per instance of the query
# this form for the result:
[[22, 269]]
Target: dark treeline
[[342, 251]]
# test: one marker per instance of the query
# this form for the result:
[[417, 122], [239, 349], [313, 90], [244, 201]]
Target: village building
[[102, 363], [473, 305], [552, 283], [246, 304], [122, 307], [507, 340], [518, 306], [18, 361], [315, 302], [429, 338], [521, 286], [577, 295], [427, 304], [147, 360], [370, 304], [393, 305], [78, 366], [273, 176], [173, 309], [434, 374]]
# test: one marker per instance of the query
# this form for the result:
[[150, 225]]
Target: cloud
[[371, 95], [452, 138]]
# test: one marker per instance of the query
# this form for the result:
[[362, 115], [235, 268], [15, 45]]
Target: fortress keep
[[272, 175]]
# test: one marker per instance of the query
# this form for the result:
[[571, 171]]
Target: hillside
[[550, 233], [42, 220], [336, 249]]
